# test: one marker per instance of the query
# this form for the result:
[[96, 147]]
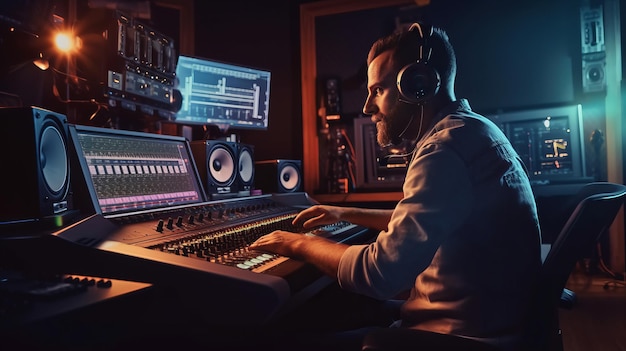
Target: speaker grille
[[34, 139], [221, 165], [53, 159], [217, 166], [289, 177], [246, 165], [279, 176]]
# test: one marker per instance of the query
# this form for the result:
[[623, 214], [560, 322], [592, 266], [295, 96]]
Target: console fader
[[217, 232]]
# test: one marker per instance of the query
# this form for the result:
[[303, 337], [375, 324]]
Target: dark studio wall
[[244, 32], [262, 35], [511, 54], [19, 47]]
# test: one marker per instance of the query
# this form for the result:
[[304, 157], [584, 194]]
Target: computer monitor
[[225, 95], [128, 171], [549, 141]]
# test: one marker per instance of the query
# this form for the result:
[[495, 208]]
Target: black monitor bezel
[[75, 130]]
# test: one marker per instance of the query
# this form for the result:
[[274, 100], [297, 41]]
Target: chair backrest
[[597, 206]]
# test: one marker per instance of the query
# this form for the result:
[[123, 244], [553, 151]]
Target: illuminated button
[[243, 266], [268, 256], [256, 260]]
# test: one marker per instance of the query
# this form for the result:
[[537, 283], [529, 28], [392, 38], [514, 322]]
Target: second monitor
[[549, 141], [222, 94]]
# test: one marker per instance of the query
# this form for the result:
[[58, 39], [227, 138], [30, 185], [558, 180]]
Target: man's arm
[[322, 253], [323, 214]]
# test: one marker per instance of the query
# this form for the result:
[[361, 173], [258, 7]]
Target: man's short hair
[[405, 47]]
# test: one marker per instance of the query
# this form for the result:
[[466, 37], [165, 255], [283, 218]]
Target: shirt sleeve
[[437, 200]]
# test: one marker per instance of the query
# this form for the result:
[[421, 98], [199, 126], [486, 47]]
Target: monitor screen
[[222, 94], [130, 171], [549, 141]]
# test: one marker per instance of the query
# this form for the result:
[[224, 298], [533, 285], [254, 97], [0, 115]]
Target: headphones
[[417, 81]]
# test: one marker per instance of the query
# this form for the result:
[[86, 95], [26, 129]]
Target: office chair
[[598, 205], [568, 297]]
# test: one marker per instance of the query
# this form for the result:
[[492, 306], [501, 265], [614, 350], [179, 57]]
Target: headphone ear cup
[[417, 82]]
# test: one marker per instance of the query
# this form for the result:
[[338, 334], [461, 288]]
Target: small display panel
[[222, 94], [548, 140], [131, 171], [544, 145]]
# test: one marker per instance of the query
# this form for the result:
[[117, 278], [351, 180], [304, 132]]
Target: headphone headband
[[425, 33]]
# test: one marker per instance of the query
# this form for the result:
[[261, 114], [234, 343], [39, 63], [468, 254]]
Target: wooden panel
[[308, 13], [614, 126], [357, 197]]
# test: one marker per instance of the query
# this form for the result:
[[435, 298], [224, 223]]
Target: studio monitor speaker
[[36, 174], [217, 166], [594, 72], [279, 176], [245, 169], [593, 49]]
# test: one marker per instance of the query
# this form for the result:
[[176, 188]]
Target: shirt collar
[[461, 105]]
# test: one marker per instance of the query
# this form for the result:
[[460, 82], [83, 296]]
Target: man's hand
[[318, 215], [279, 242], [323, 253]]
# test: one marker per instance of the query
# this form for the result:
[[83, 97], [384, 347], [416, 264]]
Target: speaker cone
[[289, 177], [595, 74], [221, 165], [246, 166], [53, 159]]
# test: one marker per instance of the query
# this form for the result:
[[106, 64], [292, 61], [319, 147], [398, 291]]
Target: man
[[465, 238]]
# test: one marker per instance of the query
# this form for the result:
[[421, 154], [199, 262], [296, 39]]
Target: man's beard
[[392, 125]]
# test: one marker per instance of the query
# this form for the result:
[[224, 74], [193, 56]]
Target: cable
[[351, 163], [352, 152], [67, 100], [617, 280]]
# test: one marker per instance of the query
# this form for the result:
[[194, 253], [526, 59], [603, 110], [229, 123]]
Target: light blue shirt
[[464, 239]]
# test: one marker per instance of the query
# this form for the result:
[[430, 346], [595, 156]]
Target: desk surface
[[394, 196]]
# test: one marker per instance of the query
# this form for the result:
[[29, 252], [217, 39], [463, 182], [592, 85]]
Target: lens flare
[[64, 42]]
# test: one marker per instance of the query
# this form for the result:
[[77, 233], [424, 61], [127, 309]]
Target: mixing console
[[218, 232], [199, 251]]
